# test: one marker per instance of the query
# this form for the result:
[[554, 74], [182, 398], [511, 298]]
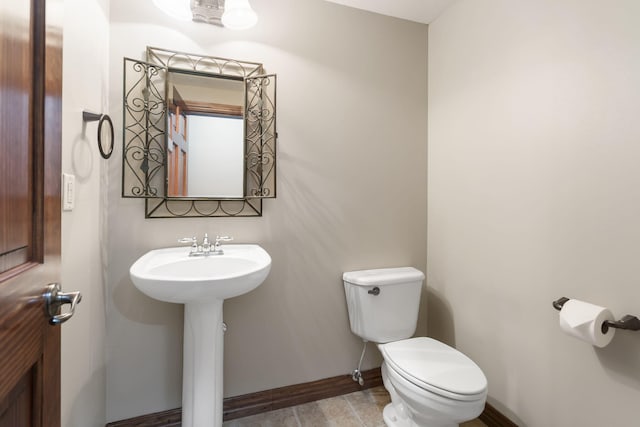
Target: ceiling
[[423, 11]]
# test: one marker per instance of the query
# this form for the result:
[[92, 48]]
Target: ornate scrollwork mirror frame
[[144, 152]]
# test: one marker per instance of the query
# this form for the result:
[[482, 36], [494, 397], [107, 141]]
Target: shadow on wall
[[82, 156], [129, 300], [620, 358], [440, 325]]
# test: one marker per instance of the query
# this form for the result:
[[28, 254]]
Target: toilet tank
[[389, 313]]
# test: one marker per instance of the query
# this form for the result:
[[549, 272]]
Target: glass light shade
[[177, 9], [238, 15]]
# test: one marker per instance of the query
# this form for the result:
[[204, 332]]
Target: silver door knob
[[54, 298]]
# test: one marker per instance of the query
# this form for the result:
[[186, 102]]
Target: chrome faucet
[[205, 249], [206, 246]]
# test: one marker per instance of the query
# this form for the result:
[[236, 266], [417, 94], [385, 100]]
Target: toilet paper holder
[[629, 322]]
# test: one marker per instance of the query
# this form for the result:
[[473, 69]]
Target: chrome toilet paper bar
[[629, 322]]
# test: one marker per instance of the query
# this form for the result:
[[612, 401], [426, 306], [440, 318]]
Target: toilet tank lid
[[383, 276]]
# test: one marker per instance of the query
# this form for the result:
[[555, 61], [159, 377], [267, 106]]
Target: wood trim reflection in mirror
[[182, 106], [177, 148]]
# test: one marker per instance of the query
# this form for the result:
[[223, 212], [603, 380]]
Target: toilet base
[[391, 419]]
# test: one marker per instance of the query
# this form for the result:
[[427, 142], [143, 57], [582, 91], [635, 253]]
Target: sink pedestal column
[[202, 365]]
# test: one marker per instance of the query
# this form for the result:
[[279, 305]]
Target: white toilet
[[430, 383]]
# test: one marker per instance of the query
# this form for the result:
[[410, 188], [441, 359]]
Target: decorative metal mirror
[[199, 135]]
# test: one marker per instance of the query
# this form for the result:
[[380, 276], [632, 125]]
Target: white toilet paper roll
[[584, 321]]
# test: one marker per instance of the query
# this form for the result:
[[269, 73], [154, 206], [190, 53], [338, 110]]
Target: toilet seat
[[436, 367]]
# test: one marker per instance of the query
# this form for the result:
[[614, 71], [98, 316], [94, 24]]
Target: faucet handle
[[192, 240], [216, 246]]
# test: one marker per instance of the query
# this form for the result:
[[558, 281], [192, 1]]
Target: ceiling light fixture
[[238, 15], [233, 14], [207, 11]]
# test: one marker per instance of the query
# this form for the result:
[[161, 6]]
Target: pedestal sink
[[201, 283]]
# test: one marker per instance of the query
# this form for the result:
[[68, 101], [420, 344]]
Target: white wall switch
[[68, 191]]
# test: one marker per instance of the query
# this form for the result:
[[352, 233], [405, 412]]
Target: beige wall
[[351, 195], [85, 81], [533, 188]]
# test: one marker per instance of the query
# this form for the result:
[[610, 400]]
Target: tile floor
[[359, 409]]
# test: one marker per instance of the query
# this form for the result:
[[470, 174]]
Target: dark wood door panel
[[16, 80], [30, 157], [18, 409], [25, 330]]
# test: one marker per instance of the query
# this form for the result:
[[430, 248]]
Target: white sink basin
[[201, 284], [172, 275]]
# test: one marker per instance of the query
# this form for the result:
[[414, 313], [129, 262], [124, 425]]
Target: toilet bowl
[[430, 383]]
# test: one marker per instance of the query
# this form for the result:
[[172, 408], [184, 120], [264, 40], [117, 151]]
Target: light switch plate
[[68, 191]]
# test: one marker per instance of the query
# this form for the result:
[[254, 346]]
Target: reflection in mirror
[[205, 136]]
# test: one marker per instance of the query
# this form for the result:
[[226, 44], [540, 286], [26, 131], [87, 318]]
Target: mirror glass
[[205, 136]]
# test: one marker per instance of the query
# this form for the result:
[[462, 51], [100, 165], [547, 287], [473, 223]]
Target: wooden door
[[30, 135]]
